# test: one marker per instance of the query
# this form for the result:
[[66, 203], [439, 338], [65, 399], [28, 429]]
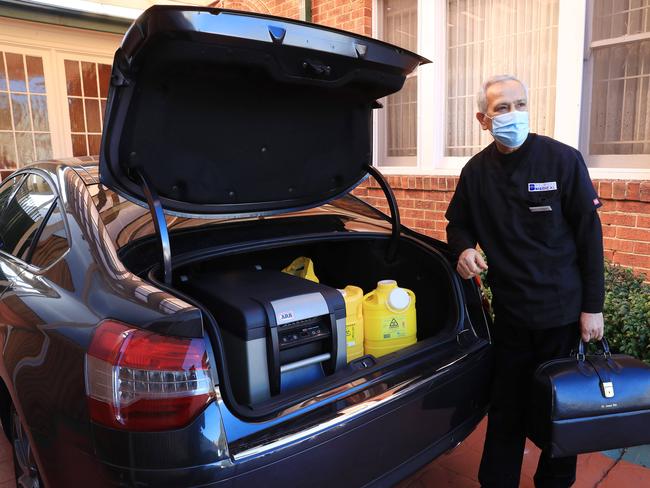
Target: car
[[149, 336]]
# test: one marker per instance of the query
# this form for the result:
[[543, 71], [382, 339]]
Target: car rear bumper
[[377, 449]]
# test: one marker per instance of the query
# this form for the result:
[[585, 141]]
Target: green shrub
[[626, 311]]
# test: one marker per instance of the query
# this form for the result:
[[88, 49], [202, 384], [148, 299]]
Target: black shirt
[[533, 212]]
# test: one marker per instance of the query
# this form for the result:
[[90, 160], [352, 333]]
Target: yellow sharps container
[[353, 296], [389, 319]]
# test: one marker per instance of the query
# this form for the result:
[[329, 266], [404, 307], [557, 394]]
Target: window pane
[[24, 117], [35, 74], [399, 26], [7, 150], [16, 72], [621, 79], [493, 37], [21, 218], [7, 189], [53, 241], [5, 113], [89, 77], [72, 78]]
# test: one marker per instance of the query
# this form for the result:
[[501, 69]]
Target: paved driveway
[[459, 469]]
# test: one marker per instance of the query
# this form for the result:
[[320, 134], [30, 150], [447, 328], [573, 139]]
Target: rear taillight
[[142, 381]]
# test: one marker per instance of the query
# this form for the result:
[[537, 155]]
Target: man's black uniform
[[533, 212]]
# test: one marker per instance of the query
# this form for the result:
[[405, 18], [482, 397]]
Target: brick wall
[[292, 9], [351, 15], [625, 213]]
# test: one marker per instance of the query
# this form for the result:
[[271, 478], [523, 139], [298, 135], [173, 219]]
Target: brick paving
[[459, 469]]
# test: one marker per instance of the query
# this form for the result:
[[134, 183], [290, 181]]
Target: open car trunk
[[360, 260]]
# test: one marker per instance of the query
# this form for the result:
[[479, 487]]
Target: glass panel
[[76, 109], [5, 112], [89, 76], [53, 241], [92, 115], [39, 113], [72, 78], [7, 150], [79, 145], [619, 95], [3, 75], [25, 147], [485, 39], [22, 217], [43, 146], [16, 72], [104, 79], [21, 112], [103, 109], [400, 112], [94, 142], [35, 74]]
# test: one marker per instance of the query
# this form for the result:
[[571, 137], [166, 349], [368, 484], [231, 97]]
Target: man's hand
[[470, 264], [592, 326]]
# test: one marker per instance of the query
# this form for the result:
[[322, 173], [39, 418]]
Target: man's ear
[[482, 119]]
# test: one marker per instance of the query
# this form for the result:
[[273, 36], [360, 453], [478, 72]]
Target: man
[[527, 200]]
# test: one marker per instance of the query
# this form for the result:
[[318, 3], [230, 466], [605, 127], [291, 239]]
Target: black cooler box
[[280, 332]]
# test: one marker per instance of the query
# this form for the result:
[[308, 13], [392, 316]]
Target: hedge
[[626, 311]]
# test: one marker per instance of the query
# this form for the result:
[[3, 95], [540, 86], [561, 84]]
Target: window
[[21, 218], [619, 121], [87, 88], [24, 123], [491, 37], [398, 124], [7, 190], [53, 90], [52, 242]]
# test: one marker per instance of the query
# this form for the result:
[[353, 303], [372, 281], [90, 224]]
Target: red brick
[[632, 207], [618, 190], [609, 231], [633, 233], [618, 218], [605, 189], [644, 191], [642, 247], [643, 221], [634, 260], [633, 190], [609, 255], [619, 245]]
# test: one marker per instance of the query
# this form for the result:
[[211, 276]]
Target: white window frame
[[572, 62], [53, 44]]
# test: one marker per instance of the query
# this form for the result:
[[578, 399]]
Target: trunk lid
[[228, 112]]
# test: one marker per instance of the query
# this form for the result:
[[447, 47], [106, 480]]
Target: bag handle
[[581, 349]]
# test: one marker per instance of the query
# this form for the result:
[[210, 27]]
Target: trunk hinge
[[160, 224], [391, 253]]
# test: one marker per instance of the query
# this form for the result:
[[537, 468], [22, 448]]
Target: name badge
[[546, 186], [543, 208]]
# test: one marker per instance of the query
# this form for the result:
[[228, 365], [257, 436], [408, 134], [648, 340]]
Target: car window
[[52, 242], [7, 189], [22, 216]]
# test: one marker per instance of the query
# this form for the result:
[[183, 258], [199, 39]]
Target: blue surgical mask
[[510, 129]]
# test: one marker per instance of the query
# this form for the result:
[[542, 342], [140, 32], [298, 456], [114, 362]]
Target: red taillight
[[138, 380]]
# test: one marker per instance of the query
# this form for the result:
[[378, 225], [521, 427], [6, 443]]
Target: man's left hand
[[592, 326]]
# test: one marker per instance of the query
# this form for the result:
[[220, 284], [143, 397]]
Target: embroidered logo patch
[[596, 201], [546, 186]]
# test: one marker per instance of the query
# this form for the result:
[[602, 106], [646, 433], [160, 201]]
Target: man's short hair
[[481, 95]]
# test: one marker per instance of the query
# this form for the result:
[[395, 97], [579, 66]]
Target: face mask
[[510, 129]]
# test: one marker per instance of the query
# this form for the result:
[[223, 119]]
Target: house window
[[619, 121], [398, 120], [491, 37], [87, 88], [24, 123]]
